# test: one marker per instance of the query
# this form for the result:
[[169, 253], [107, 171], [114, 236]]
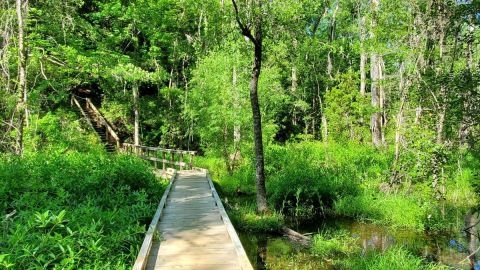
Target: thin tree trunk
[[257, 130], [363, 75], [399, 124], [331, 37], [471, 224], [21, 7], [363, 57], [376, 91], [294, 91], [136, 132], [376, 119], [257, 41], [236, 125]]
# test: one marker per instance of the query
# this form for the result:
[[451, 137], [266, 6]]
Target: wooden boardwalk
[[191, 229]]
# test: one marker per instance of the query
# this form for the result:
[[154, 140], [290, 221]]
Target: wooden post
[[156, 158], [163, 160], [172, 157], [181, 160], [191, 161]]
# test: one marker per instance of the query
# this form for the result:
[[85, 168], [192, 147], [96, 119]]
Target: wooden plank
[[194, 229], [157, 248], [195, 259], [141, 260], [199, 267], [242, 255]]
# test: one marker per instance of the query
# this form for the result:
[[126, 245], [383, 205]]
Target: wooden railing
[[169, 158], [110, 132], [74, 100]]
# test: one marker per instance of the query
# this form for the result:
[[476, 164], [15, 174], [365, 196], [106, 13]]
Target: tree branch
[[246, 31]]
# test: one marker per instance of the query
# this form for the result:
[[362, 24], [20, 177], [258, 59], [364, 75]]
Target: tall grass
[[396, 258]]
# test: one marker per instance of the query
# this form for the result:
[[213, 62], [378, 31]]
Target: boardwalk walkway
[[193, 230]]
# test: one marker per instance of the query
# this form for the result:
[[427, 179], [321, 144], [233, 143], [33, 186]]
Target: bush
[[75, 210]]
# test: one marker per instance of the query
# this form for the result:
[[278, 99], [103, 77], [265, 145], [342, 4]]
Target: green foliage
[[397, 210], [396, 258], [347, 110], [59, 132], [340, 244], [67, 216], [245, 218]]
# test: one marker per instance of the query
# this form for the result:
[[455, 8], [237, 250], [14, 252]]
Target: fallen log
[[295, 237]]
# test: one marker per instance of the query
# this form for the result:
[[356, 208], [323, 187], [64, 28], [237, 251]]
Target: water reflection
[[275, 252]]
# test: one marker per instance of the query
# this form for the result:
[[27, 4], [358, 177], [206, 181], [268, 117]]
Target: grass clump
[[396, 210], [395, 258], [340, 244], [246, 218], [75, 210]]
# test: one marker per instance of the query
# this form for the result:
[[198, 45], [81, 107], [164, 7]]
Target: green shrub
[[75, 210]]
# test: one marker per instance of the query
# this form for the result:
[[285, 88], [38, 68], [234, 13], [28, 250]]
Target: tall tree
[[254, 32], [21, 110]]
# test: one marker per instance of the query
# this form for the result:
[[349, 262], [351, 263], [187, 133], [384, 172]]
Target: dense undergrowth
[[74, 210], [307, 181], [310, 179], [340, 251]]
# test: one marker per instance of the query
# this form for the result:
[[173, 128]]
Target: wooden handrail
[[237, 244], [142, 257], [168, 157], [104, 122], [76, 102], [159, 149]]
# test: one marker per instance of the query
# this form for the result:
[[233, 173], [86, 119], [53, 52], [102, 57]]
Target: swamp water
[[277, 253]]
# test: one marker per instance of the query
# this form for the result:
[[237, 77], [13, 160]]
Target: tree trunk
[[363, 75], [331, 37], [376, 119], [376, 74], [471, 224], [257, 130], [363, 57], [236, 108], [399, 124], [257, 40], [136, 132], [21, 7]]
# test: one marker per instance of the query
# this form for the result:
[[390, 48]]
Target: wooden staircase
[[99, 124]]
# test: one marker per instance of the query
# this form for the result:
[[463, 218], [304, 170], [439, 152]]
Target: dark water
[[275, 252]]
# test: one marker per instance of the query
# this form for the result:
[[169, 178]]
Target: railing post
[[191, 160], [156, 157], [163, 160], [181, 160], [172, 158]]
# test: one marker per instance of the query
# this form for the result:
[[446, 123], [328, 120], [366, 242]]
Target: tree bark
[[236, 108], [136, 132], [21, 8], [363, 57], [257, 41], [331, 37], [471, 224], [376, 73], [376, 119]]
